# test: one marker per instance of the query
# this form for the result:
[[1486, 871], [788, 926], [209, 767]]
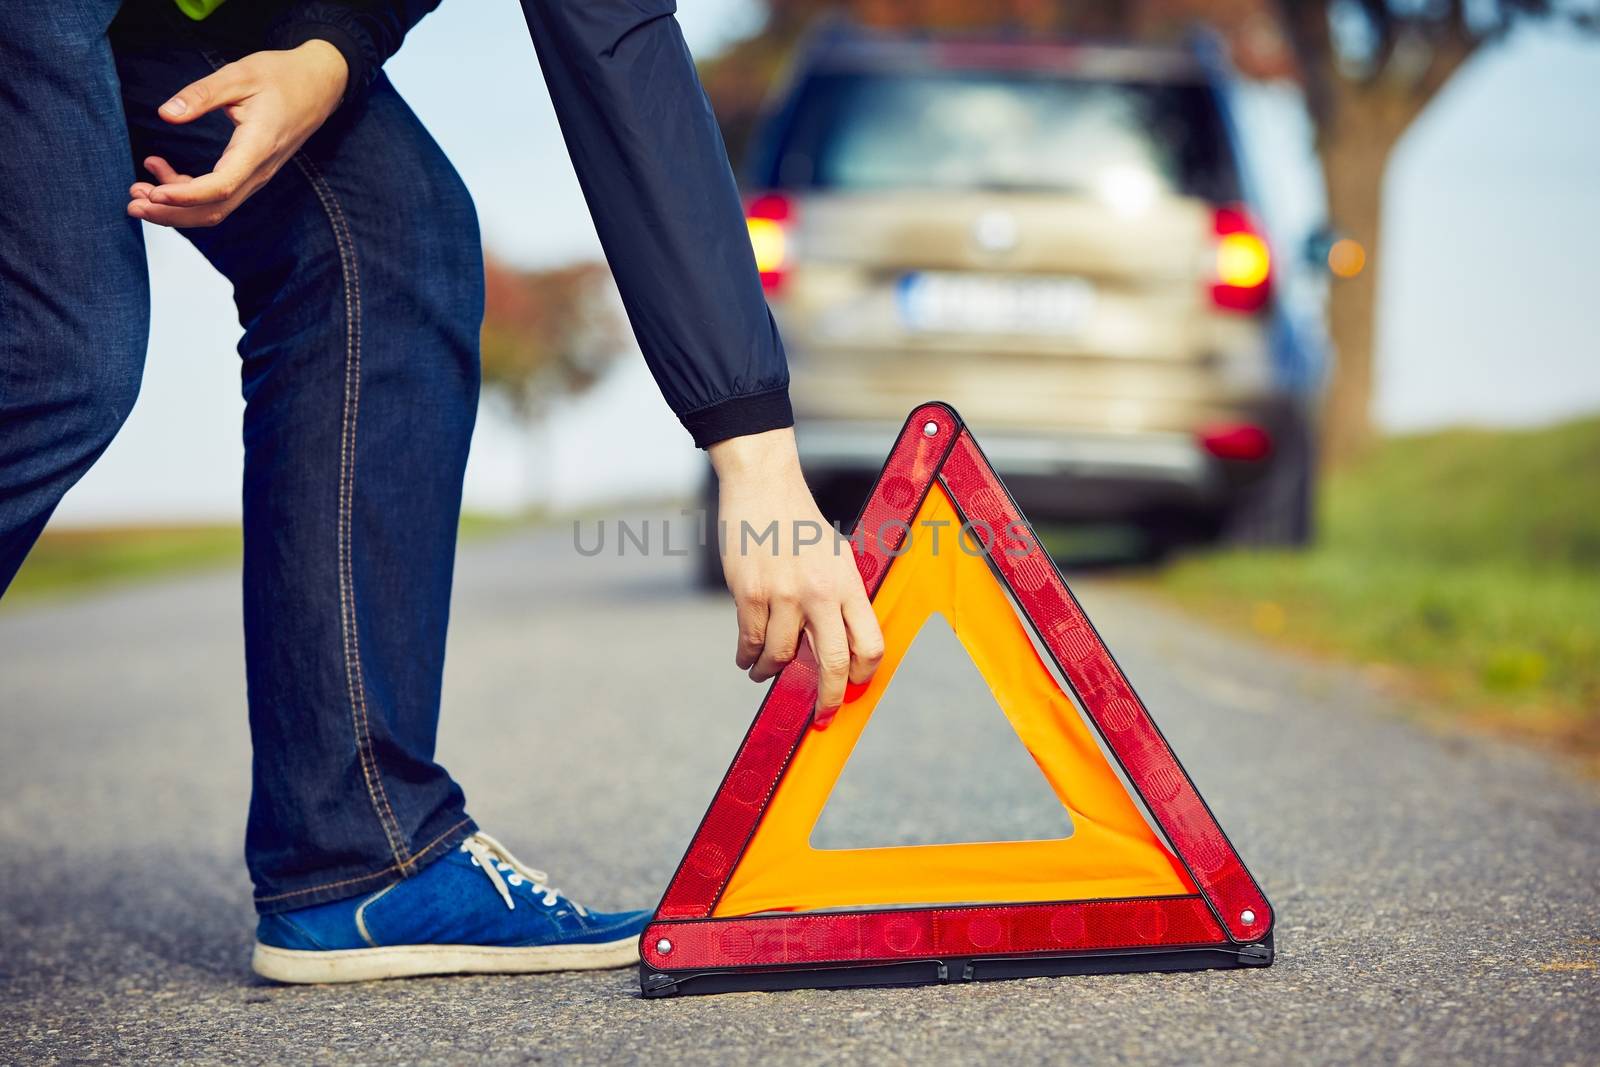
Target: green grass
[[68, 562], [1465, 565]]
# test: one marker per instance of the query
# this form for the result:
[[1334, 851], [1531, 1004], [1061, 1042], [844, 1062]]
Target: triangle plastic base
[[1147, 880]]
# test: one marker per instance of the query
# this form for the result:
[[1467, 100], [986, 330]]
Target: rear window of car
[[965, 130]]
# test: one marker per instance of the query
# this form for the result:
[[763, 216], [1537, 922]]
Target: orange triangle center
[[935, 722], [1112, 852]]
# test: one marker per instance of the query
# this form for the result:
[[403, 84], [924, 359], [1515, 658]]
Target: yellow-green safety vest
[[198, 9]]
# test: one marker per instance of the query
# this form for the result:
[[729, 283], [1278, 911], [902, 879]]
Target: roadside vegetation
[[1461, 567], [72, 561], [66, 561]]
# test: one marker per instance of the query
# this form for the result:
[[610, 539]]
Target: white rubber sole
[[300, 966]]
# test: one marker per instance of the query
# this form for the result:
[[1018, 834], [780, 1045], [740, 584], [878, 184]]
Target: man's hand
[[275, 99], [800, 587]]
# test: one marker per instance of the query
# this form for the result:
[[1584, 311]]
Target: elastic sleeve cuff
[[294, 34], [739, 416]]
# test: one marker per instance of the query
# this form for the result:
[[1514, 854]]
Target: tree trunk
[[1358, 124], [1355, 153], [1354, 177]]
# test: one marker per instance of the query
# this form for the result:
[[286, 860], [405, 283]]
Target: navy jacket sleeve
[[366, 32], [654, 171]]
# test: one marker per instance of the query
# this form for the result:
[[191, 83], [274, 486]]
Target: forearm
[[767, 455], [652, 166]]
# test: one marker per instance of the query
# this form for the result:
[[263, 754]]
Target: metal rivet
[[1247, 916], [664, 946], [930, 428]]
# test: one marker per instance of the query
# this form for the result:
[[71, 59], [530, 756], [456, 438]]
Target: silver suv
[[1058, 240]]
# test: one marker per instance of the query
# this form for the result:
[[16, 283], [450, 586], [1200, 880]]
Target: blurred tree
[[547, 332], [1369, 67]]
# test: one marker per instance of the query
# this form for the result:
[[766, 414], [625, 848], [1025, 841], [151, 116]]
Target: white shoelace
[[502, 867]]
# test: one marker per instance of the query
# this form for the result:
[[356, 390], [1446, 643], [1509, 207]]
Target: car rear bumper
[[1061, 475], [1162, 456]]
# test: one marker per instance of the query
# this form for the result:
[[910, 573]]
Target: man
[[293, 165]]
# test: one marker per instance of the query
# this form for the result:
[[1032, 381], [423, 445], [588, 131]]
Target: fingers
[[832, 646], [185, 202], [844, 636], [752, 614], [182, 218], [244, 165], [858, 662], [141, 206], [782, 639], [866, 637], [219, 89], [163, 172]]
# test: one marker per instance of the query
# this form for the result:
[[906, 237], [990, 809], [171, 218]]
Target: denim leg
[[358, 275], [74, 297]]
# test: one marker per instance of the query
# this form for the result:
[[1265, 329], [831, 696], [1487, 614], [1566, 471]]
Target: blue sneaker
[[475, 910]]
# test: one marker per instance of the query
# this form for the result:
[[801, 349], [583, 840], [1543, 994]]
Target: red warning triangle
[[1146, 880]]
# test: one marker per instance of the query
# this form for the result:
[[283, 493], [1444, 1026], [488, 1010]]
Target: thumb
[[219, 89]]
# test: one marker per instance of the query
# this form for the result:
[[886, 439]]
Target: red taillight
[[768, 217], [1236, 441], [1243, 272]]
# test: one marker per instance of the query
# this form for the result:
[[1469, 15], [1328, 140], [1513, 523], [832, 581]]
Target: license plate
[[955, 302]]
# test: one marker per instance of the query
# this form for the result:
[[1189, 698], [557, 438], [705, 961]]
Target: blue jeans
[[358, 276]]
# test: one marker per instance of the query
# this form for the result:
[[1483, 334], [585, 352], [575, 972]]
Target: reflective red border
[[934, 444], [1103, 691], [931, 933], [782, 719]]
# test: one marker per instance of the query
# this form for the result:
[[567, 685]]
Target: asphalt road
[[1436, 897]]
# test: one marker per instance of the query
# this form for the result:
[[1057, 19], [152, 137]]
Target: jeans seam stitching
[[366, 754], [349, 630], [393, 867]]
